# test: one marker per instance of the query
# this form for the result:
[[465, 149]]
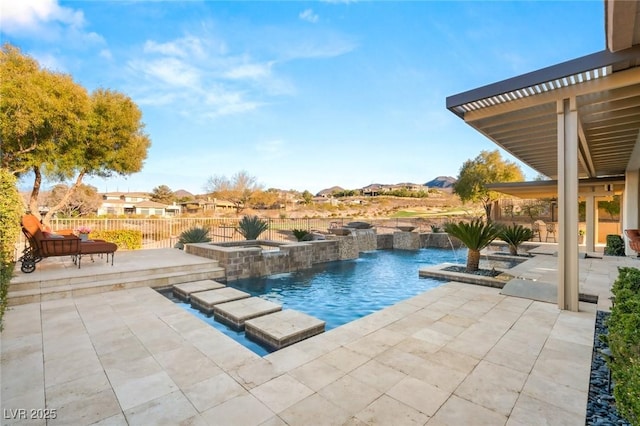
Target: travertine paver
[[135, 357], [205, 300], [237, 312], [283, 328], [183, 291]]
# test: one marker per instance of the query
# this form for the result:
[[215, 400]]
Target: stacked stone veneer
[[406, 241], [243, 259], [439, 240], [385, 241], [399, 240], [365, 239]]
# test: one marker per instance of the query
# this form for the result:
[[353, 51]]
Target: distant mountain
[[327, 192], [441, 182], [183, 194]]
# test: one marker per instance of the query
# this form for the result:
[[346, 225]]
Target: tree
[[266, 199], [476, 235], [307, 197], [52, 128], [239, 189], [84, 200], [487, 167], [612, 207], [162, 194]]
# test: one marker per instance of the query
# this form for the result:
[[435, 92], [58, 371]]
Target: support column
[[630, 219], [568, 279], [591, 237]]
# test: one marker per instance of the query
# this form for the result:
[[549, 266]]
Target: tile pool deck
[[458, 354]]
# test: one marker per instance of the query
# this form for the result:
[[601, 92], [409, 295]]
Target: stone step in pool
[[283, 328], [205, 300], [183, 291], [234, 314]]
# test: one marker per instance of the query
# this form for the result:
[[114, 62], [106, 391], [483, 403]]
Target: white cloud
[[309, 16], [47, 22], [204, 78], [185, 47], [327, 46], [250, 71], [200, 77], [39, 17], [169, 71], [106, 54], [30, 15]]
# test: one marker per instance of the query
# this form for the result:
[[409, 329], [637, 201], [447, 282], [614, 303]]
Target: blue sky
[[301, 95]]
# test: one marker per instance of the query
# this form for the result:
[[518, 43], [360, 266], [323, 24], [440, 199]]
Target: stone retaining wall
[[406, 241], [439, 240], [385, 241], [243, 259]]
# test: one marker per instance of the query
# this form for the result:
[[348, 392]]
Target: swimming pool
[[340, 292]]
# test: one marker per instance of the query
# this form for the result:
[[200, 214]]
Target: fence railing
[[164, 233]]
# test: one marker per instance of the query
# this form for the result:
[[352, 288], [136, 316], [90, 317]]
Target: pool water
[[340, 292]]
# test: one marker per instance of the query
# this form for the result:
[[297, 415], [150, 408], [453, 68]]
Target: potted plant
[[581, 233], [83, 232]]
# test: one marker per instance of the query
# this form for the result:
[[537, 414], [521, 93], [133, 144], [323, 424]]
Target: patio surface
[[458, 354]]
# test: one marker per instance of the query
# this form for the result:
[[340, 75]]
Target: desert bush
[[126, 239]]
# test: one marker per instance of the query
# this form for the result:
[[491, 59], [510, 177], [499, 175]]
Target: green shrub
[[514, 235], [250, 227], [126, 239], [615, 245], [624, 342], [193, 235], [11, 209], [436, 229]]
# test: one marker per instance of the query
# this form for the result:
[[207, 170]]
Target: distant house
[[135, 203], [379, 189], [373, 189], [209, 206], [326, 200], [410, 186]]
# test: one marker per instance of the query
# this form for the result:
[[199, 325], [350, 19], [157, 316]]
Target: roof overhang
[[621, 20], [601, 187], [520, 114]]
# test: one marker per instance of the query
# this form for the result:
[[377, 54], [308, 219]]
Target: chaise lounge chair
[[44, 243]]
